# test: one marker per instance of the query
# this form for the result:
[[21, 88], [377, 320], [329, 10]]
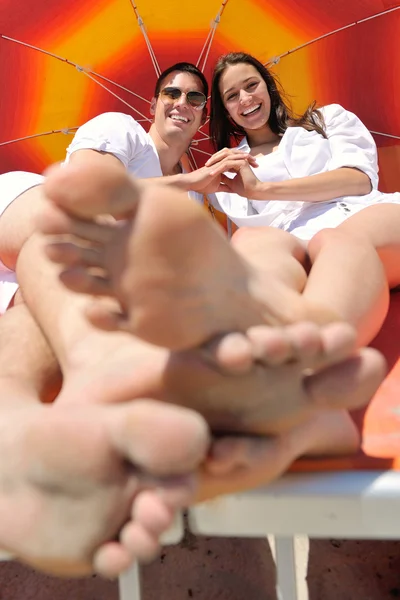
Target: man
[[100, 368]]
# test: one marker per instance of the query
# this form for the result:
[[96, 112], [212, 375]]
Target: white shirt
[[301, 153], [119, 134]]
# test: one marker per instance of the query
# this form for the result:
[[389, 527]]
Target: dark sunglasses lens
[[171, 93], [196, 99]]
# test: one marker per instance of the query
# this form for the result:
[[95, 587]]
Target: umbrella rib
[[116, 96], [389, 135], [209, 48], [192, 159], [201, 151], [210, 37], [200, 129], [67, 131], [204, 46], [275, 60], [119, 86], [146, 39], [72, 64], [205, 139]]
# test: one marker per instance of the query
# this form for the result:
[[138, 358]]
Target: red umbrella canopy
[[62, 63]]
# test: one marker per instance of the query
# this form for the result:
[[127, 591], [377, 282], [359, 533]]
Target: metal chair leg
[[129, 584], [291, 568]]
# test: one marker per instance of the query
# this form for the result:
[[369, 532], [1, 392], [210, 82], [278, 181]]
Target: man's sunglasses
[[197, 100]]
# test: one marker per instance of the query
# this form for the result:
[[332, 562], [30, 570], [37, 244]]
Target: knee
[[340, 238], [244, 234], [325, 237]]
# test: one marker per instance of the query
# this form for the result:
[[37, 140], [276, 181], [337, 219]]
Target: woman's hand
[[245, 183], [234, 160]]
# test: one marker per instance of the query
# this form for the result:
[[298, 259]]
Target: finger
[[229, 158], [227, 164], [219, 155], [226, 154], [252, 161]]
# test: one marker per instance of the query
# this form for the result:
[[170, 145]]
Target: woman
[[315, 172]]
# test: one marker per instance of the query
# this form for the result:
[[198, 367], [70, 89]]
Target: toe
[[306, 342], [71, 255], [161, 439], [339, 341], [152, 513], [225, 455], [112, 559], [139, 542], [262, 461], [52, 220], [270, 345], [231, 353], [97, 187], [78, 279], [349, 384]]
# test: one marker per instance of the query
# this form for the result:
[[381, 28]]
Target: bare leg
[[347, 275], [379, 226], [360, 259], [26, 358]]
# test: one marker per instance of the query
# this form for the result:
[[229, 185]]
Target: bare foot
[[296, 371], [71, 478], [178, 279]]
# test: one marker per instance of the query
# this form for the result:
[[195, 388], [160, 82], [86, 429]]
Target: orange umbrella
[[62, 63]]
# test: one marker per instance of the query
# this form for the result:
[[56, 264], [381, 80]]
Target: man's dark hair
[[182, 67]]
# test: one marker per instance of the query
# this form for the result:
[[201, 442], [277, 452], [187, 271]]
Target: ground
[[235, 569]]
